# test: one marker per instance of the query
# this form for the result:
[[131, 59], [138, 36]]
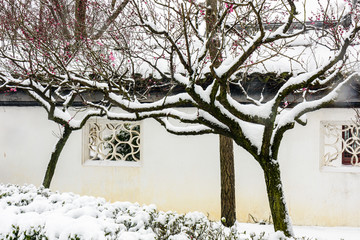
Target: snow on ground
[[27, 212]]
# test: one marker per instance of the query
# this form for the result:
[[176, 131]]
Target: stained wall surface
[[182, 173]]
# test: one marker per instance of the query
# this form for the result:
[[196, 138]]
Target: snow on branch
[[306, 79], [197, 129], [44, 96], [170, 101], [291, 115]]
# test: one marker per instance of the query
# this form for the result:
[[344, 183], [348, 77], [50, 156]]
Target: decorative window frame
[[332, 147], [86, 135]]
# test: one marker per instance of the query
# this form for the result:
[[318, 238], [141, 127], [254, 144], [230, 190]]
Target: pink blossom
[[230, 7], [111, 56]]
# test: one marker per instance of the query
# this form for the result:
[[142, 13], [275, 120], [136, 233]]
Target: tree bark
[[279, 211], [55, 156], [227, 169], [80, 19]]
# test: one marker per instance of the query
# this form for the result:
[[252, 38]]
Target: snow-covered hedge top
[[27, 212]]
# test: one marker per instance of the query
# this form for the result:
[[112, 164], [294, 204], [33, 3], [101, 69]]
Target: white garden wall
[[182, 173]]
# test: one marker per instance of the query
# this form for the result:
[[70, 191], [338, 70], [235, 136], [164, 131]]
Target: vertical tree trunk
[[227, 170], [80, 19], [55, 156], [279, 211], [228, 209]]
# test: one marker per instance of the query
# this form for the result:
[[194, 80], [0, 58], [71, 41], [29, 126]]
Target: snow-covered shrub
[[30, 213], [32, 233]]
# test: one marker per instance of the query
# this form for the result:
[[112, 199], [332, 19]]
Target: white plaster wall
[[182, 173]]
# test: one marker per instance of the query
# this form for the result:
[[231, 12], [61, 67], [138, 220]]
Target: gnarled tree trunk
[[278, 207]]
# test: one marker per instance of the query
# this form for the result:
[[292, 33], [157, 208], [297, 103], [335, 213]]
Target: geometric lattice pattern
[[114, 141], [341, 144]]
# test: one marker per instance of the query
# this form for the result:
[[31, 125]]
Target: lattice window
[[110, 141], [350, 145], [341, 144]]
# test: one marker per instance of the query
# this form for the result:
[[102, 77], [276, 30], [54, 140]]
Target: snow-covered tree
[[161, 56], [41, 40], [309, 57]]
